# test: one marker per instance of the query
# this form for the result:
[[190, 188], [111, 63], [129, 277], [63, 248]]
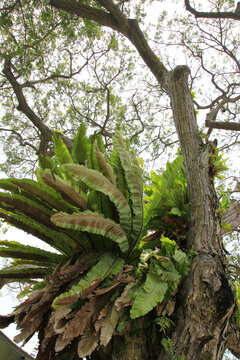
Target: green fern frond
[[93, 223], [99, 182], [16, 250], [67, 188], [79, 150], [107, 265], [61, 151], [135, 188]]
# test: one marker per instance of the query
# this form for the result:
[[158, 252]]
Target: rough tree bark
[[198, 331], [205, 301], [223, 125], [232, 216]]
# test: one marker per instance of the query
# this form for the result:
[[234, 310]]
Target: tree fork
[[23, 107]]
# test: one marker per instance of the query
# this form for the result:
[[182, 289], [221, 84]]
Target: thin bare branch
[[58, 76], [135, 105], [9, 8], [22, 141], [23, 105], [128, 27], [212, 15]]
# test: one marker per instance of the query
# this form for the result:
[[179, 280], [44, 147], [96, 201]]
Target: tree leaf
[[176, 211], [28, 207], [25, 272], [134, 185], [81, 321], [56, 324], [109, 324], [165, 270], [45, 162], [88, 343], [77, 324], [29, 330], [14, 249], [92, 223], [99, 182], [119, 173], [102, 315], [67, 189], [57, 239], [152, 293], [45, 193], [124, 300], [61, 151], [167, 194], [79, 150], [6, 320], [182, 262], [106, 266], [103, 166]]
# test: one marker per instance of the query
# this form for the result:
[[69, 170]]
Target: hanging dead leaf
[[81, 320], [77, 325], [109, 324], [124, 300], [152, 237], [6, 320], [56, 324], [101, 317], [88, 343], [29, 330], [106, 289]]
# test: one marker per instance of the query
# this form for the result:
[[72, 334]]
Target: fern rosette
[[98, 277]]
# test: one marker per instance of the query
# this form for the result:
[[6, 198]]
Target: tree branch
[[211, 116], [85, 12], [102, 131], [223, 125], [212, 15], [138, 118], [9, 8], [116, 13], [138, 39], [22, 142], [116, 20], [24, 107], [232, 217]]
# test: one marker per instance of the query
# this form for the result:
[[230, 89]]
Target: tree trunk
[[205, 305], [205, 301]]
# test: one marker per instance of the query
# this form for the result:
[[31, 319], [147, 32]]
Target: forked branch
[[116, 20], [23, 106]]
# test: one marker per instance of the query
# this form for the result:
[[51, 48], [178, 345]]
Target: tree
[[204, 317]]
